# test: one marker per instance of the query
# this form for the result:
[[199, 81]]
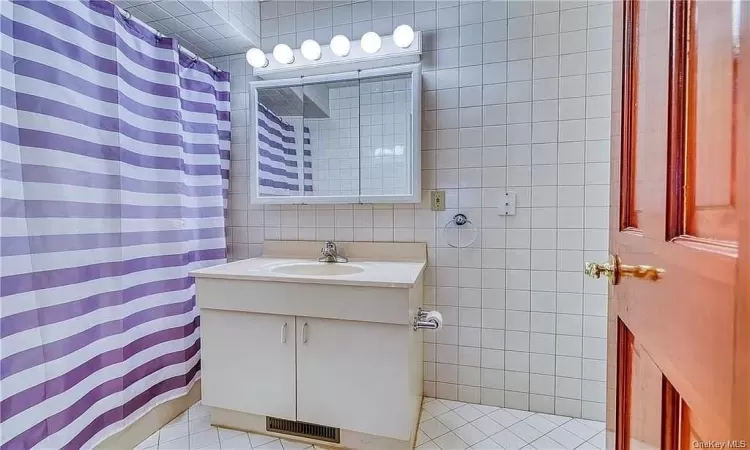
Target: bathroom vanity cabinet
[[245, 365], [338, 351], [342, 373]]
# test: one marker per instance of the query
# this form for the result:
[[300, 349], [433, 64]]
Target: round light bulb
[[403, 36], [256, 58], [283, 54], [310, 50], [370, 42], [340, 45]]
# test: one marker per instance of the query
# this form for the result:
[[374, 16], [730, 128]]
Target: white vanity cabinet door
[[353, 375], [247, 362]]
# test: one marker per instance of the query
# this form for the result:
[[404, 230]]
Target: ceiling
[[207, 28]]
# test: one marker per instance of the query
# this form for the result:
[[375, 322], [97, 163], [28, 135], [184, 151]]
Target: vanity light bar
[[371, 52]]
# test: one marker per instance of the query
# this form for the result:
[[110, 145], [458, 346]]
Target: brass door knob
[[614, 270]]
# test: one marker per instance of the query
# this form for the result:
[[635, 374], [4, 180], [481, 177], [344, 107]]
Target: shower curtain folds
[[113, 183]]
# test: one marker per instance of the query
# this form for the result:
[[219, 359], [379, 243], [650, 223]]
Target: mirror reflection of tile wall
[[339, 138], [334, 139], [385, 141]]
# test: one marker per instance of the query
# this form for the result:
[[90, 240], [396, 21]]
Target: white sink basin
[[316, 268]]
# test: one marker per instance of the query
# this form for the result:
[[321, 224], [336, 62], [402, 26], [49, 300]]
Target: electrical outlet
[[437, 200]]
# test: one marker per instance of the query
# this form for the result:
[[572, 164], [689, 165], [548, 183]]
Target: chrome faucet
[[330, 254]]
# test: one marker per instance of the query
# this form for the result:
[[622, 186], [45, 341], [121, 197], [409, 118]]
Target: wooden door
[[353, 375], [248, 362], [679, 346]]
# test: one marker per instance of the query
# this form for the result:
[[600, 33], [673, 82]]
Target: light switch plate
[[507, 204], [437, 200]]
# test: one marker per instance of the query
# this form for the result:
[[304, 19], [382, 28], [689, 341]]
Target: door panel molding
[[677, 145], [624, 386], [629, 98], [671, 407]]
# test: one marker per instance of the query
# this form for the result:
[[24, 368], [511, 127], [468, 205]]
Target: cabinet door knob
[[304, 333], [283, 333]]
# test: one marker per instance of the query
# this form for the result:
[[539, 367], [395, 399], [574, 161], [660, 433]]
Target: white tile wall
[[208, 28], [516, 96]]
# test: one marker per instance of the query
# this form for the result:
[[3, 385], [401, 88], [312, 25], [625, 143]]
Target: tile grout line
[[570, 419]]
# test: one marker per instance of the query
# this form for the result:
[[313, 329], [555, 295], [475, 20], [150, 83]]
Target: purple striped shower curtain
[[114, 169]]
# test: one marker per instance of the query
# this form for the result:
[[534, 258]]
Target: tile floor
[[444, 425], [449, 425]]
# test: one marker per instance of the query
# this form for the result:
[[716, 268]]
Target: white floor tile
[[256, 440], [593, 424], [545, 443], [487, 426], [273, 445], [504, 418], [557, 420], [508, 440], [451, 420], [449, 441], [226, 433], [566, 438], [444, 425], [197, 411], [435, 408], [525, 431], [486, 409], [600, 440], [470, 434], [182, 443], [421, 438], [425, 415], [487, 444], [468, 412], [519, 413], [579, 429], [540, 423], [198, 425], [429, 445], [239, 442], [433, 428], [181, 418], [294, 445], [452, 404], [173, 432], [205, 438]]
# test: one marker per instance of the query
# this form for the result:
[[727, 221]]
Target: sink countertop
[[394, 274]]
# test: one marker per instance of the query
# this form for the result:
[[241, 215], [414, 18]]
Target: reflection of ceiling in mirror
[[309, 101], [282, 101]]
